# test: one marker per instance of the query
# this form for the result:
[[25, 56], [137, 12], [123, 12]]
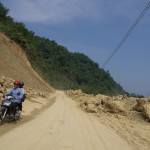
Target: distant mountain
[[55, 64]]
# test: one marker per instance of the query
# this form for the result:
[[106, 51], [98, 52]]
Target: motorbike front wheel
[[3, 114]]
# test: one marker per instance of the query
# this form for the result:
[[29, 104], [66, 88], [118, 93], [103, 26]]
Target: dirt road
[[62, 126]]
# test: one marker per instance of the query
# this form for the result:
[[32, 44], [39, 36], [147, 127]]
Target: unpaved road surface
[[63, 126]]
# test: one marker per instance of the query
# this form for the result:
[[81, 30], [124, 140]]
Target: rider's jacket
[[16, 93]]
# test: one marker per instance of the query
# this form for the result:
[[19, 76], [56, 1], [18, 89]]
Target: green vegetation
[[55, 64], [134, 95]]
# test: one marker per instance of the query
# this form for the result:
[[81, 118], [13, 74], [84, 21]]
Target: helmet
[[21, 84], [16, 82]]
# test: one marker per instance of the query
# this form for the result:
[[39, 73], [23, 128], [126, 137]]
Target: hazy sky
[[94, 27]]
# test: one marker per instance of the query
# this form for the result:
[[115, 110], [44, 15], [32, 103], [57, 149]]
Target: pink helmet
[[16, 82]]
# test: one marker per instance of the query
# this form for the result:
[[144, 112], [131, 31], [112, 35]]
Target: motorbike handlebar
[[9, 97]]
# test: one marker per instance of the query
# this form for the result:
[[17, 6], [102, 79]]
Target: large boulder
[[84, 104], [114, 107], [140, 103], [105, 100], [129, 103], [124, 96], [146, 111], [77, 92], [90, 104], [91, 108]]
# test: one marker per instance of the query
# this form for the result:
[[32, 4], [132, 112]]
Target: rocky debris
[[114, 106], [93, 104], [77, 92], [148, 98], [125, 96], [91, 108], [7, 83], [129, 103], [1, 95], [140, 103], [90, 104], [146, 111], [119, 113], [118, 98], [117, 105]]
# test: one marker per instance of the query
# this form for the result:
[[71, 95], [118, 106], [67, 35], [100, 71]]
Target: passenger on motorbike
[[17, 93], [24, 96]]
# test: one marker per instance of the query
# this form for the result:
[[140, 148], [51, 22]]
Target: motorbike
[[6, 110]]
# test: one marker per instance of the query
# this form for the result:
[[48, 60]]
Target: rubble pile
[[120, 104], [7, 83]]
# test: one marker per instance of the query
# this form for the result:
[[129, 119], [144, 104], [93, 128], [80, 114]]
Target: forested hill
[[55, 64]]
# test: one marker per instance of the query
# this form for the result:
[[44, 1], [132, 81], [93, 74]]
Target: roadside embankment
[[14, 64]]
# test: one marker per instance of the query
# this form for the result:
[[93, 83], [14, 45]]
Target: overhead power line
[[127, 34]]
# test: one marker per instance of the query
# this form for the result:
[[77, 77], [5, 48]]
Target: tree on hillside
[[3, 12]]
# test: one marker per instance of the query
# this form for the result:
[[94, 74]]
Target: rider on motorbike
[[17, 93]]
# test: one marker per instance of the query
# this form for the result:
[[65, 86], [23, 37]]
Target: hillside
[[55, 64], [14, 64]]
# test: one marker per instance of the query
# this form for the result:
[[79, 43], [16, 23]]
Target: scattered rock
[[117, 105], [7, 83]]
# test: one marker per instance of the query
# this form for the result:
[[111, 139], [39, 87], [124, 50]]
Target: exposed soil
[[14, 64]]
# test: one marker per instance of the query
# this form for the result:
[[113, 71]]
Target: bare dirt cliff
[[14, 64]]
